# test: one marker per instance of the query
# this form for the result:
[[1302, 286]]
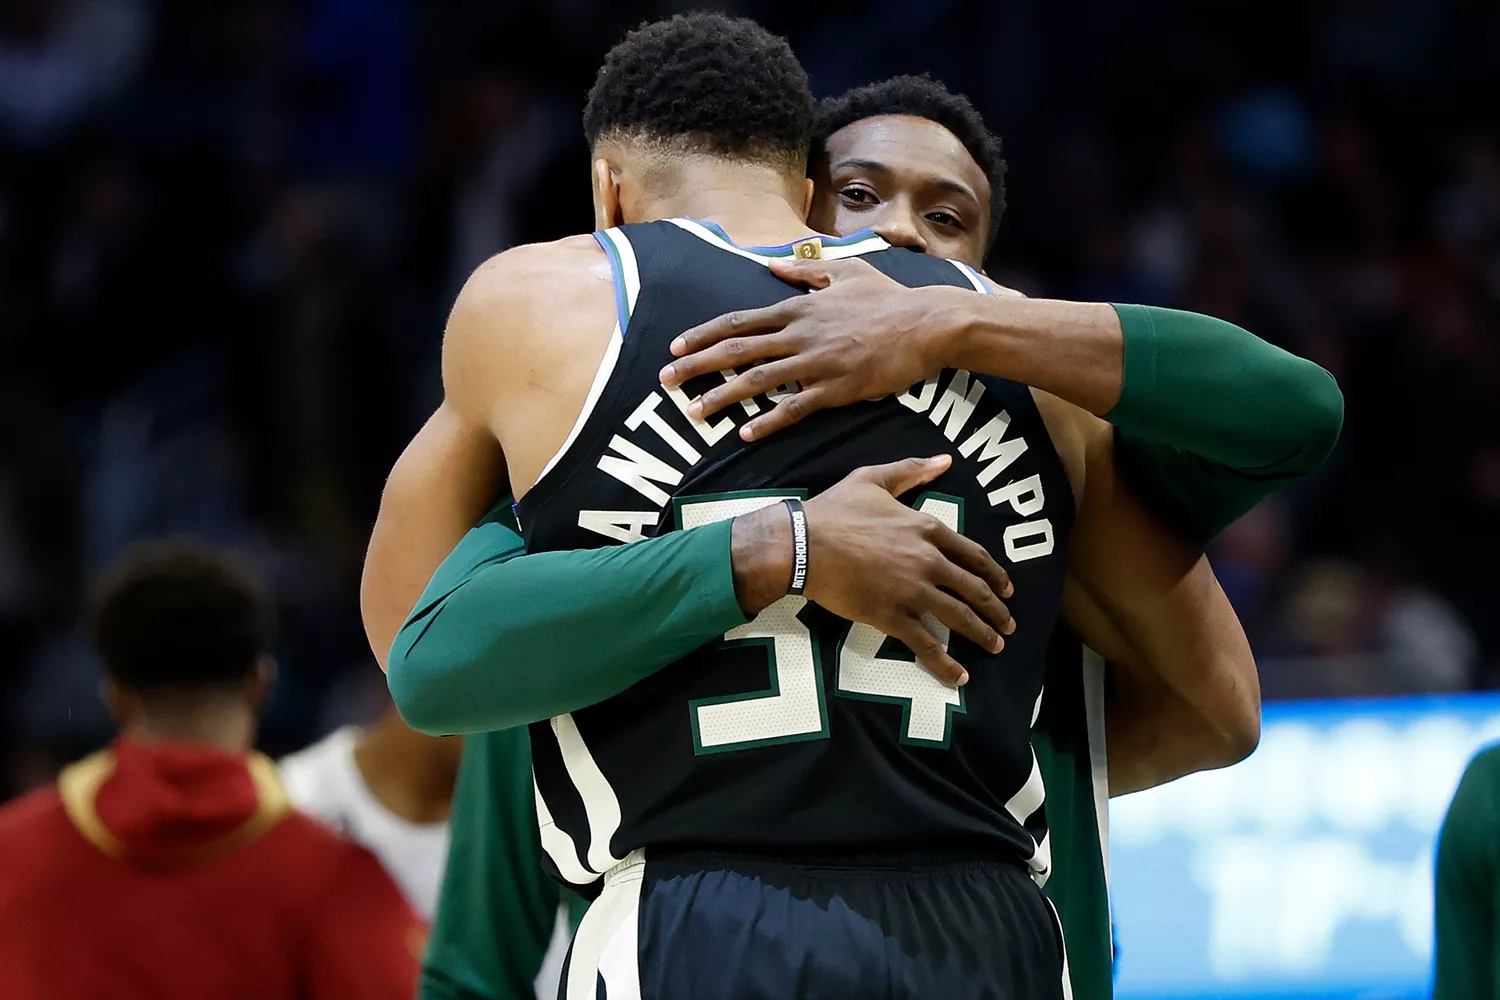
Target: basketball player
[[642, 141], [388, 788], [1071, 768]]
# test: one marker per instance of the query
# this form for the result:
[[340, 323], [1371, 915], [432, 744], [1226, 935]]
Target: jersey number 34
[[793, 708]]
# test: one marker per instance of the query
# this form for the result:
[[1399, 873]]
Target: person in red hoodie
[[170, 865]]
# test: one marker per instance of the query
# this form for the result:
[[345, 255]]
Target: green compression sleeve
[[497, 908], [1467, 890], [1211, 419], [497, 641]]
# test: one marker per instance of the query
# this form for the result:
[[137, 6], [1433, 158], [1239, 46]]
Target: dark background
[[230, 231]]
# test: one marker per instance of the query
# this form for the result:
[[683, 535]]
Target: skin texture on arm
[[442, 484], [1195, 383], [1186, 696]]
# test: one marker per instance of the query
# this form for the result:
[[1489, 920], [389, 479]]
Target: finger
[[909, 473], [803, 273], [787, 411], [740, 323], [754, 381], [817, 274], [727, 355], [929, 652], [975, 595], [963, 619], [977, 560]]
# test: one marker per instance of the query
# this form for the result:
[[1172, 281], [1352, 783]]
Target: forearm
[[1210, 418], [500, 641], [1155, 735]]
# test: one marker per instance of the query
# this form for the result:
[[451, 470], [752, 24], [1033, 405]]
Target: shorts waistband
[[878, 865]]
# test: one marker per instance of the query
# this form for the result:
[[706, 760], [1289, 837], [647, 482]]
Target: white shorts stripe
[[606, 942], [600, 804], [1067, 978]]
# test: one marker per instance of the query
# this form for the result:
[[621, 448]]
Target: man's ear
[[606, 184], [807, 198]]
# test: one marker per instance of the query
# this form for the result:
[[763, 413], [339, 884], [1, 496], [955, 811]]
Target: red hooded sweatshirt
[[174, 870]]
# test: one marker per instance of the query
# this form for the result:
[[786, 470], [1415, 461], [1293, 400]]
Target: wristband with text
[[799, 547]]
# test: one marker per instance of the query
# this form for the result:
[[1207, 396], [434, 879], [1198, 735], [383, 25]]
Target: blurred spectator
[[171, 864], [389, 788]]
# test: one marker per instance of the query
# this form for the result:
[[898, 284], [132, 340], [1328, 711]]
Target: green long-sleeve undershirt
[[1210, 420], [493, 642]]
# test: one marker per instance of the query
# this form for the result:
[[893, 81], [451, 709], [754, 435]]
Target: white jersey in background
[[324, 782]]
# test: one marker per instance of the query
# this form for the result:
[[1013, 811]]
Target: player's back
[[114, 885], [798, 735]]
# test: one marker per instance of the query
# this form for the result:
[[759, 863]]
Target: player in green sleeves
[[480, 650], [1468, 886]]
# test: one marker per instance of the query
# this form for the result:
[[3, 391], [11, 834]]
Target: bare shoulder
[[1084, 442], [530, 277]]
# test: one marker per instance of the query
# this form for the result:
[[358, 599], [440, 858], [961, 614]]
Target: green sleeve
[[497, 641], [1467, 891], [497, 907], [1211, 419]]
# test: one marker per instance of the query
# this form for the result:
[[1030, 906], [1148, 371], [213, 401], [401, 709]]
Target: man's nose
[[901, 233]]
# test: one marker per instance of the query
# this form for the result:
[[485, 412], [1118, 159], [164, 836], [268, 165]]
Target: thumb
[[803, 273], [909, 473]]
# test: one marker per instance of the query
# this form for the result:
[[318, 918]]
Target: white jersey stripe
[[972, 277], [606, 940], [600, 804], [630, 272], [557, 843], [1093, 710], [707, 235]]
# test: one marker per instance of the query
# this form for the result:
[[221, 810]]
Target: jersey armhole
[[973, 277], [626, 272]]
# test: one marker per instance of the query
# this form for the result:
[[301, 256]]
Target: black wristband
[[799, 547]]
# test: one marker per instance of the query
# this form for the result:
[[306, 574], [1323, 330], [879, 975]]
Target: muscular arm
[[444, 481], [1213, 418], [1185, 696]]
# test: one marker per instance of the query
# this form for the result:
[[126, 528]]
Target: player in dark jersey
[[925, 156], [978, 797]]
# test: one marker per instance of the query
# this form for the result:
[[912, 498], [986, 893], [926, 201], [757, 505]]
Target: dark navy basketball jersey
[[798, 734]]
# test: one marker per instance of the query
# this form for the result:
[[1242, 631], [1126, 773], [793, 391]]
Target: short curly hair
[[179, 615], [923, 97], [704, 83]]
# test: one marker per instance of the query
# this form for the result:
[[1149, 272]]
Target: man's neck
[[411, 775], [755, 205], [228, 726]]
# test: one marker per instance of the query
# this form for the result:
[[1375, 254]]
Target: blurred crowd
[[229, 233]]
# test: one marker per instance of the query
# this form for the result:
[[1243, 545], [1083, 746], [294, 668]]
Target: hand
[[873, 559], [863, 336]]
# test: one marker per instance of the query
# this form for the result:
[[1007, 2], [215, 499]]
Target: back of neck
[[755, 205], [229, 727]]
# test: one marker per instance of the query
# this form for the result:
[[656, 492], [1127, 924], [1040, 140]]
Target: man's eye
[[858, 195], [945, 219]]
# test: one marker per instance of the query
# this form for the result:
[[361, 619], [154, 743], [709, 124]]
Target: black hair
[[924, 97], [704, 83], [176, 614]]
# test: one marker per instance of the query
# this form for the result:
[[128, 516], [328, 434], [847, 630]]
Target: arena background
[[229, 233]]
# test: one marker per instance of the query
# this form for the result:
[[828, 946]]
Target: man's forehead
[[908, 144]]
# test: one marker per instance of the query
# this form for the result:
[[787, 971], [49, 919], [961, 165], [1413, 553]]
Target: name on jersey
[[949, 400]]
